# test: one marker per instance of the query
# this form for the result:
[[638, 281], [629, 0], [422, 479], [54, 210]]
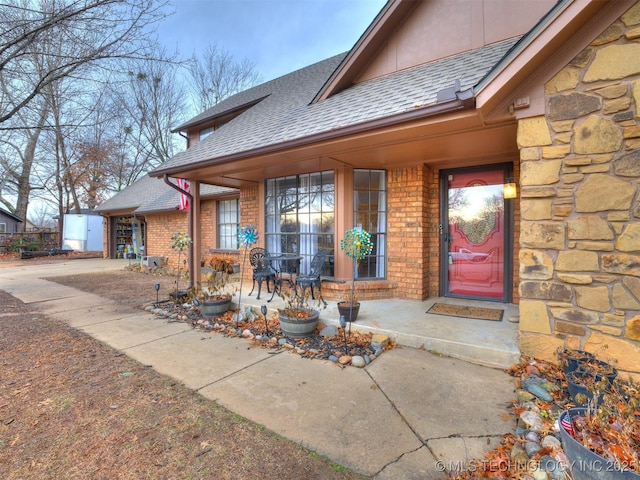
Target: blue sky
[[278, 36]]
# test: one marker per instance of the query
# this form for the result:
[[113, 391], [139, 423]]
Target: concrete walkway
[[408, 415]]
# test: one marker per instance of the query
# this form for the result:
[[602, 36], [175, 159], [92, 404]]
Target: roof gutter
[[165, 177], [450, 100]]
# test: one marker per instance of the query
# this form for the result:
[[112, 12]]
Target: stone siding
[[579, 262]]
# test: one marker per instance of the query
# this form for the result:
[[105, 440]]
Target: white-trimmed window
[[3, 228], [228, 222]]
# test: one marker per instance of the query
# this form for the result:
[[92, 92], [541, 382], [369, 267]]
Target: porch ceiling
[[459, 140]]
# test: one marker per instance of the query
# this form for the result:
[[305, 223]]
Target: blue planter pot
[[585, 464], [579, 392], [571, 359], [599, 368]]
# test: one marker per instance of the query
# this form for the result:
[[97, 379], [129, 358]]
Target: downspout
[[186, 137], [165, 177]]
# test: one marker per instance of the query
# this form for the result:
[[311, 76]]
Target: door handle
[[446, 236]]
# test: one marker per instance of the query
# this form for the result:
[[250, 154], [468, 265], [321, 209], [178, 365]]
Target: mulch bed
[[316, 346], [506, 461]]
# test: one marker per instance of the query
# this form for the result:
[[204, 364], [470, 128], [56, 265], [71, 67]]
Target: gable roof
[[286, 114], [149, 194], [561, 34], [10, 215], [371, 40]]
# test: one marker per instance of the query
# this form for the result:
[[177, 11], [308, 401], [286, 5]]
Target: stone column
[[580, 211]]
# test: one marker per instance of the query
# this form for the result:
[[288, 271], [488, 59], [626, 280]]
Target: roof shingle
[[286, 112], [150, 194]]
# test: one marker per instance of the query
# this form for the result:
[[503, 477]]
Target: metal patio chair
[[262, 270], [312, 279]]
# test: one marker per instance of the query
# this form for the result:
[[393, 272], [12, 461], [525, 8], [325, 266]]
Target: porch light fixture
[[510, 189]]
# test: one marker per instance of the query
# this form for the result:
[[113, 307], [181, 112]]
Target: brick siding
[[408, 231]]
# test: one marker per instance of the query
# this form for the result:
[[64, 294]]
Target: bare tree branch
[[216, 75], [91, 31]]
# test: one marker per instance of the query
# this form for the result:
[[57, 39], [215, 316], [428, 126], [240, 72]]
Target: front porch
[[483, 342]]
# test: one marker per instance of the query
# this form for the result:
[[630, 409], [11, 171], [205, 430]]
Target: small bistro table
[[282, 263]]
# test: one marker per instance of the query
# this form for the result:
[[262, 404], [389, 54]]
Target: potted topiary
[[180, 242], [349, 307], [219, 291], [299, 317], [356, 245]]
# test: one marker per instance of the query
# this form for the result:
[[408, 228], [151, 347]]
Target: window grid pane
[[370, 205], [228, 215], [299, 217]]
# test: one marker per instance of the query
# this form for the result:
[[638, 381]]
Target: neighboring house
[[416, 132], [140, 220], [8, 222]]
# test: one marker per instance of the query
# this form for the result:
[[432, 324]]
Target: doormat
[[465, 311]]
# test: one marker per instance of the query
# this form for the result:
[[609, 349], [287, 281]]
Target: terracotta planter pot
[[350, 313], [297, 327], [215, 308]]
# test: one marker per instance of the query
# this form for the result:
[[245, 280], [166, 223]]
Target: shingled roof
[[150, 194], [10, 215], [284, 110]]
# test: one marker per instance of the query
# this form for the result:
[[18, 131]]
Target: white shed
[[82, 233]]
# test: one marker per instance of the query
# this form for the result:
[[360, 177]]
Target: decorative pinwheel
[[247, 236], [356, 244]]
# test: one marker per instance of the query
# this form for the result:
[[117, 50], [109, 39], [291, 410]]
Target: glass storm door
[[474, 234]]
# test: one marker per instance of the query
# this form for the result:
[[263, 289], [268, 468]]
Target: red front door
[[474, 241]]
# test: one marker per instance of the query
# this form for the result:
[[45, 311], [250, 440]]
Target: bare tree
[[53, 52], [41, 217], [216, 75], [91, 31], [88, 101], [150, 103], [18, 150]]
